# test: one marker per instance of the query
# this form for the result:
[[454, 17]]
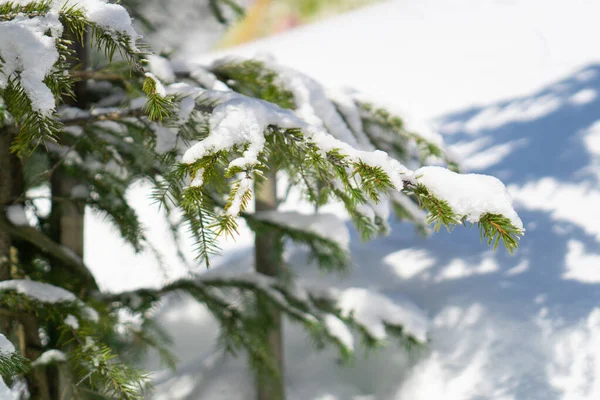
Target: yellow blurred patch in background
[[267, 17]]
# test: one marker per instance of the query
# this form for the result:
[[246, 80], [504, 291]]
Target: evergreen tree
[[211, 141]]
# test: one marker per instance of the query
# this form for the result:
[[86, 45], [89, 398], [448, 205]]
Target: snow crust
[[238, 121], [328, 226], [43, 292], [469, 195]]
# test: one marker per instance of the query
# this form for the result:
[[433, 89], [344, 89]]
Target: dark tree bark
[[268, 261]]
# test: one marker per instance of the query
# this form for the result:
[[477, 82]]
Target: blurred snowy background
[[515, 81]]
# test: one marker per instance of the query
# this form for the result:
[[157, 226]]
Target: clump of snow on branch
[[49, 294], [71, 321], [239, 122], [28, 53], [49, 357], [328, 226], [336, 328], [469, 195], [242, 121], [40, 291], [16, 215], [28, 45], [111, 17], [158, 86], [6, 347], [161, 68]]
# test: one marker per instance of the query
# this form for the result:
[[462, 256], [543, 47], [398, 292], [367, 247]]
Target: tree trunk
[[30, 345], [67, 224], [267, 256], [6, 186], [5, 194]]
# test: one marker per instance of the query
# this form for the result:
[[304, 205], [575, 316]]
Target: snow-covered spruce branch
[[11, 362], [51, 248], [329, 252], [84, 118], [324, 316], [96, 364], [27, 296], [34, 67], [91, 359], [244, 130]]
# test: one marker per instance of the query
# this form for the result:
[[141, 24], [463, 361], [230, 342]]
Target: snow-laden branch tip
[[28, 44], [470, 196], [241, 122]]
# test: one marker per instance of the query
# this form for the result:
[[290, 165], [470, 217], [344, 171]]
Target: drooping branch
[[51, 248]]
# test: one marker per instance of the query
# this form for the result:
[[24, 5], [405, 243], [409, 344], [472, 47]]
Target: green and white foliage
[[238, 118], [328, 144], [204, 136], [11, 365]]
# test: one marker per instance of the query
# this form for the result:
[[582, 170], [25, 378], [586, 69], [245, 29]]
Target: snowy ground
[[513, 85]]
